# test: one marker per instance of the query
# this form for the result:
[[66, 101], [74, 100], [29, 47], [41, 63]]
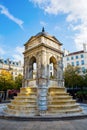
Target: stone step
[[56, 100], [57, 94], [74, 110], [28, 88], [62, 107], [61, 97], [25, 100], [24, 103], [27, 94], [21, 107], [61, 101], [56, 87], [21, 113]]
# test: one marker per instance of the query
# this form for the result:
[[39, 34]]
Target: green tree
[[18, 81], [6, 80], [72, 77], [85, 80]]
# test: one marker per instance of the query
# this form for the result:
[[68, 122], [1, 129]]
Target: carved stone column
[[42, 82], [60, 73], [44, 64], [38, 64], [42, 99]]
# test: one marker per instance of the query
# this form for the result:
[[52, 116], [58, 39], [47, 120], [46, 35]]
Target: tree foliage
[[18, 81], [7, 81], [72, 77]]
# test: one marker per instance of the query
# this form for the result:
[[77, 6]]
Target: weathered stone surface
[[43, 69]]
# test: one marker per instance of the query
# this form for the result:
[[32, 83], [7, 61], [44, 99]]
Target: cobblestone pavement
[[43, 125], [80, 124]]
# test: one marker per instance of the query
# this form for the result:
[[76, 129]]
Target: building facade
[[78, 58], [14, 67]]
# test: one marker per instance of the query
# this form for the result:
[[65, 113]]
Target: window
[[76, 57], [67, 58], [5, 62], [72, 58], [83, 69], [72, 63], [79, 70], [82, 55], [82, 62], [10, 62], [17, 63], [1, 61], [77, 63]]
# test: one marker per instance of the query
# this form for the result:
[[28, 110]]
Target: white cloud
[[18, 56], [4, 10], [73, 9], [19, 49], [76, 12]]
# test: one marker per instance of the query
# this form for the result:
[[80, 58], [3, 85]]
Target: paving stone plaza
[[43, 125], [72, 124]]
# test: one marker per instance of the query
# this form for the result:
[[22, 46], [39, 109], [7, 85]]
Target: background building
[[14, 67], [78, 58]]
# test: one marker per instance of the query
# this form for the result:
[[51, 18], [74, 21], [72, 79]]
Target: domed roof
[[42, 33]]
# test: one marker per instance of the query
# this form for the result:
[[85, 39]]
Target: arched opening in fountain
[[32, 68], [53, 68]]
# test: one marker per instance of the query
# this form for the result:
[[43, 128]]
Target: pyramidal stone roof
[[45, 34]]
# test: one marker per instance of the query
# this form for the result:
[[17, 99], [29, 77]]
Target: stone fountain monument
[[43, 91]]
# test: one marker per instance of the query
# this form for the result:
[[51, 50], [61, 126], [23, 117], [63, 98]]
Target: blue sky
[[20, 19]]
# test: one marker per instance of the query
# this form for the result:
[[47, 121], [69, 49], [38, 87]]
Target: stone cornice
[[44, 45]]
